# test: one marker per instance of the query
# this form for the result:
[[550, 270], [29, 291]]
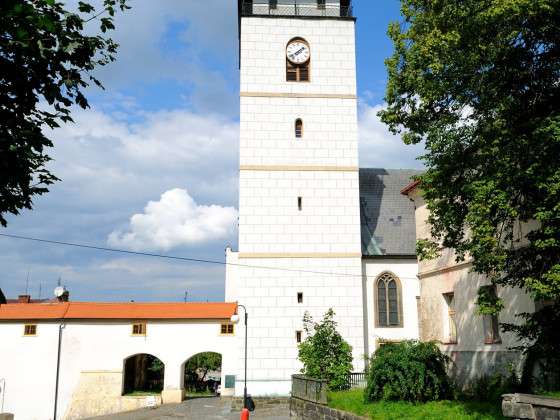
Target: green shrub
[[408, 371], [324, 353]]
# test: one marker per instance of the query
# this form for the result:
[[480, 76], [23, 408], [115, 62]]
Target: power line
[[188, 259]]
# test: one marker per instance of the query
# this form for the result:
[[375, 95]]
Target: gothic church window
[[389, 301]]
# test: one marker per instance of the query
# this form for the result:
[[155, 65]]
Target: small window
[[298, 336], [139, 328], [300, 297], [297, 73], [30, 329], [451, 333], [300, 203], [299, 128], [226, 329], [273, 4], [321, 4], [490, 322]]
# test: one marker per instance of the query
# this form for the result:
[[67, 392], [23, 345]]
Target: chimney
[[24, 299]]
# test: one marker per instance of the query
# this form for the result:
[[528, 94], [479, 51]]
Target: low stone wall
[[99, 393], [261, 403], [300, 409], [527, 406]]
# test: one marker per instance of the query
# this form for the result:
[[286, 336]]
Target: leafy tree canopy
[[203, 363], [324, 353], [47, 58], [478, 82]]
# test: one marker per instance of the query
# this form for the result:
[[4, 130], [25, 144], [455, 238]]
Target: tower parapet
[[297, 8]]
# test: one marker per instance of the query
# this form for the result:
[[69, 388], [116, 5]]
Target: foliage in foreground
[[47, 53], [353, 401], [477, 81], [408, 371], [324, 353]]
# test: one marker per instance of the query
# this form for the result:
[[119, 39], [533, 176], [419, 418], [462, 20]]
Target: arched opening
[[388, 296], [202, 374], [143, 374], [299, 128], [298, 58]]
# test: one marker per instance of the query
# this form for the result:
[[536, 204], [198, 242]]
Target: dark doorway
[[143, 373]]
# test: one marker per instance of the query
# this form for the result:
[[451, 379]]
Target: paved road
[[199, 408]]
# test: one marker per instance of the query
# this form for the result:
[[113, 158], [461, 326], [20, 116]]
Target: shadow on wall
[[472, 357]]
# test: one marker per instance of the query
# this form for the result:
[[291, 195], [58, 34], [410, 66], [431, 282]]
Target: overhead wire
[[178, 258]]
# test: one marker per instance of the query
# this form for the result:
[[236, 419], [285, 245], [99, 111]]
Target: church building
[[315, 230]]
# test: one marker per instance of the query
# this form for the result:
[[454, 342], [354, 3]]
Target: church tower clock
[[299, 215]]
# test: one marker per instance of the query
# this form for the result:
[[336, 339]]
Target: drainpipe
[[3, 392], [60, 328]]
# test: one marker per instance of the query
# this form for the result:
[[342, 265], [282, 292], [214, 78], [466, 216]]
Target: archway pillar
[[173, 391]]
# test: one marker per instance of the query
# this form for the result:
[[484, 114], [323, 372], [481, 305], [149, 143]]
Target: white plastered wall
[[406, 271]]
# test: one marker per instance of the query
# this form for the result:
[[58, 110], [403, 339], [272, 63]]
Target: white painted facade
[[93, 352], [405, 270]]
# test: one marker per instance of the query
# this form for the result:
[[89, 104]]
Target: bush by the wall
[[408, 371]]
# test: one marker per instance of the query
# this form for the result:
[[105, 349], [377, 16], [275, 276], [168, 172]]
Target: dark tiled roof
[[386, 216]]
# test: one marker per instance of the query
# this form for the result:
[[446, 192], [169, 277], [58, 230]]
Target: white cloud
[[176, 219], [379, 148]]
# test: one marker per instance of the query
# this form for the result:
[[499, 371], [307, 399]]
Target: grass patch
[[353, 401], [142, 393], [553, 394], [200, 394]]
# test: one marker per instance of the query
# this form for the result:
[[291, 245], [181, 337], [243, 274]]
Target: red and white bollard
[[244, 414]]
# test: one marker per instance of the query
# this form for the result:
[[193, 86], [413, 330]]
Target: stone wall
[[261, 403], [99, 393], [300, 409], [525, 406]]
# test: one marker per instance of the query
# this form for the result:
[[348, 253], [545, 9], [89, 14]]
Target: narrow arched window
[[389, 301], [298, 58], [299, 128]]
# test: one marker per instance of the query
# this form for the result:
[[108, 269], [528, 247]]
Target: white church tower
[[299, 206]]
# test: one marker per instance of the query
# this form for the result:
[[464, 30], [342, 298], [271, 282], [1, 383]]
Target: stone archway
[[143, 373], [202, 373]]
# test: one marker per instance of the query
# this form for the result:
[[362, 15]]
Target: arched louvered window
[[389, 301], [299, 128]]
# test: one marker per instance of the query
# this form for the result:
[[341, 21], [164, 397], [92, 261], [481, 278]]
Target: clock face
[[298, 52]]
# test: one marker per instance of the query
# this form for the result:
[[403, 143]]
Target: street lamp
[[235, 320]]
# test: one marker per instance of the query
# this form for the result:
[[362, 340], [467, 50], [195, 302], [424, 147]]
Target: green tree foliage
[[47, 58], [408, 371], [198, 366], [324, 353], [478, 82]]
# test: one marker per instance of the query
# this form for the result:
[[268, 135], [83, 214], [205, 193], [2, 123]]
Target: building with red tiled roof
[[98, 352]]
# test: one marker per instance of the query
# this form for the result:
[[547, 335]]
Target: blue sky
[[158, 150]]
